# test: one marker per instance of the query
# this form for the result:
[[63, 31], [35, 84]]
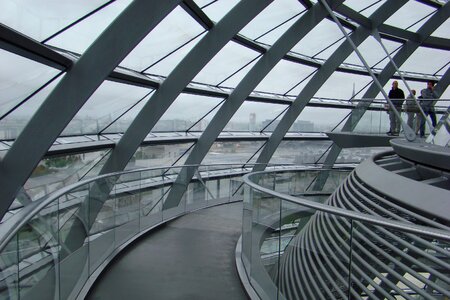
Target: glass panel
[[230, 59], [158, 155], [80, 36], [9, 270], [299, 152], [283, 77], [373, 52], [273, 15], [323, 35], [342, 85], [364, 7], [408, 14], [127, 197], [152, 197], [185, 111], [218, 9], [73, 222], [172, 32], [247, 218], [202, 3], [427, 60], [233, 81], [376, 122], [254, 116], [443, 31], [265, 244], [195, 195], [165, 66], [319, 119], [12, 125], [270, 37], [231, 152], [102, 233], [176, 208], [41, 19], [19, 78], [38, 247], [55, 172], [108, 102]]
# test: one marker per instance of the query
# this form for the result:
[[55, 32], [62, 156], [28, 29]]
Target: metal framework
[[358, 36], [402, 55], [289, 39], [86, 73]]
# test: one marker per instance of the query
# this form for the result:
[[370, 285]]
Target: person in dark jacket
[[397, 97]]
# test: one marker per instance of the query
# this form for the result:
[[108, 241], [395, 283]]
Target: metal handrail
[[358, 216], [11, 226]]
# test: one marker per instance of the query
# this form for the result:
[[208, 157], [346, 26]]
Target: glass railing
[[375, 120], [297, 247], [55, 247]]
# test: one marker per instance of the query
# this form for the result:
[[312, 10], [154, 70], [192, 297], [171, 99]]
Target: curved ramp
[[191, 257]]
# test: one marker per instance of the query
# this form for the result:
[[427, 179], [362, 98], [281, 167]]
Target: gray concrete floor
[[191, 257]]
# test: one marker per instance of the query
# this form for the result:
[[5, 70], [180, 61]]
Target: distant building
[[252, 122]]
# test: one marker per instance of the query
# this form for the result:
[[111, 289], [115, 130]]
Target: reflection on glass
[[53, 173]]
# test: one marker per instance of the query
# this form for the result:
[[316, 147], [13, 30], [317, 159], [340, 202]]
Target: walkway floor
[[191, 257]]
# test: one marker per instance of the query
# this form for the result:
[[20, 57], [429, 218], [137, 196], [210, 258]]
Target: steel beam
[[179, 78], [321, 76], [400, 57], [264, 65], [74, 89]]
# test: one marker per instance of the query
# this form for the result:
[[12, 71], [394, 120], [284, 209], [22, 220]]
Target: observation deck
[[383, 233]]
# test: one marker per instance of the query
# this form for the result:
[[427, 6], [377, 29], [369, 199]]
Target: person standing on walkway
[[411, 109], [397, 97], [427, 103]]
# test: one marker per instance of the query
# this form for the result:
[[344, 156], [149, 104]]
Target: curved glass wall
[[31, 65]]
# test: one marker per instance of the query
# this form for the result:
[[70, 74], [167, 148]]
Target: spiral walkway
[[191, 257]]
